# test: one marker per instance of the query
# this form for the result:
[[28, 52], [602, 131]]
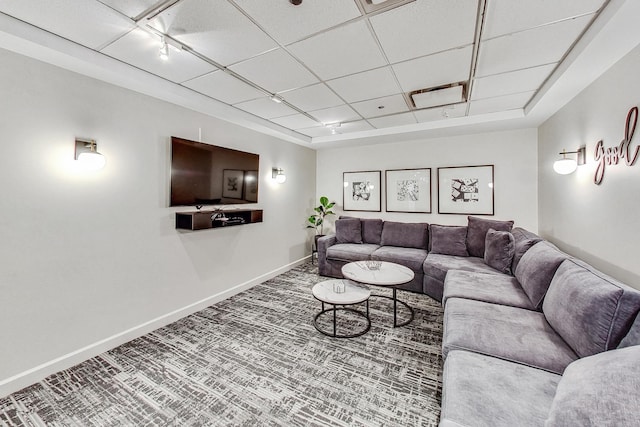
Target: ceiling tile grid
[[331, 61]]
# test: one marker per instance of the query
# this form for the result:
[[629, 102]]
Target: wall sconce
[[278, 175], [566, 166], [87, 155]]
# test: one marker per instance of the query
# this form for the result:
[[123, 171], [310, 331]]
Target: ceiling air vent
[[439, 96], [371, 6]]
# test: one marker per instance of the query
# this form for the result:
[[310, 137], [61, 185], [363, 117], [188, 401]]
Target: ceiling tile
[[434, 70], [88, 23], [266, 108], [395, 120], [343, 113], [390, 105], [508, 16], [500, 103], [296, 121], [366, 85], [214, 28], [276, 71], [358, 126], [222, 86], [128, 7], [288, 23], [345, 50], [316, 131], [425, 27], [141, 50], [512, 82], [313, 97], [542, 45], [441, 113]]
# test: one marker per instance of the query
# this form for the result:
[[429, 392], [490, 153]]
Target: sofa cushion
[[590, 310], [536, 269], [633, 336], [524, 240], [437, 265], [351, 251], [371, 230], [448, 240], [477, 232], [493, 288], [499, 249], [409, 257], [405, 235], [600, 390], [509, 333], [484, 391], [349, 230]]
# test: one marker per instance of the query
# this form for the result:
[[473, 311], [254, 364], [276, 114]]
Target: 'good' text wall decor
[[612, 155]]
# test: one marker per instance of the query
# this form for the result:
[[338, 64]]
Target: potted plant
[[316, 220]]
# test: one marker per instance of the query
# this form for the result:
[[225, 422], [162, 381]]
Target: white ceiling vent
[[453, 93], [370, 6]]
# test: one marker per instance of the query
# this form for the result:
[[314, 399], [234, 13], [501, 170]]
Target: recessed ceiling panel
[[296, 121], [266, 108], [130, 8], [88, 23], [345, 50], [512, 82], [539, 46], [276, 71], [425, 27], [366, 85], [508, 16], [381, 106], [441, 113], [434, 70], [222, 86], [392, 121], [214, 28], [288, 23], [313, 97], [343, 113], [500, 103], [142, 50], [358, 126]]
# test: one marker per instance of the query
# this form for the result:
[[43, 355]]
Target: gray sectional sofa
[[532, 336]]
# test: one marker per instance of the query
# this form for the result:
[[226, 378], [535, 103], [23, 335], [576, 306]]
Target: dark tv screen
[[204, 174]]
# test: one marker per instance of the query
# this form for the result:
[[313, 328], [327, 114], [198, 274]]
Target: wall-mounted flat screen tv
[[204, 174]]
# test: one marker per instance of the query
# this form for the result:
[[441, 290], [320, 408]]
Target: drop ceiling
[[329, 71]]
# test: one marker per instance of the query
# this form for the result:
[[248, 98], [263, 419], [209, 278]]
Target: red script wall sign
[[612, 155]]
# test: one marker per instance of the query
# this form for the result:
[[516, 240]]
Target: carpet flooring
[[254, 359]]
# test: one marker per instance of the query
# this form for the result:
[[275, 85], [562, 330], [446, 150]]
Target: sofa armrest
[[324, 243]]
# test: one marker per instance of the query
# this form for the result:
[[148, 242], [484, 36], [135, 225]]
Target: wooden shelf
[[201, 220]]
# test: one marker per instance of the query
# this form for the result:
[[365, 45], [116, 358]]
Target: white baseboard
[[40, 372]]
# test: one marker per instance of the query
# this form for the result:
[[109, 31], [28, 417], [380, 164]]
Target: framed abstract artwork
[[466, 190], [232, 182], [361, 191], [408, 190]]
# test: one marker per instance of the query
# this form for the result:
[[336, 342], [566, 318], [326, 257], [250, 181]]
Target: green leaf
[[324, 200]]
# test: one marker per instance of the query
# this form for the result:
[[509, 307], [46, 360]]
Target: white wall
[[514, 154], [598, 223], [91, 257]]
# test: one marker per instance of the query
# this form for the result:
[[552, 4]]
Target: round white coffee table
[[382, 273], [354, 293]]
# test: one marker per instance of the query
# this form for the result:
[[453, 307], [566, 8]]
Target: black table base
[[334, 309], [396, 301]]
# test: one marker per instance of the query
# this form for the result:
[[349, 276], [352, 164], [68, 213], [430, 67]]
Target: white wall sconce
[[565, 166], [278, 175], [87, 155]]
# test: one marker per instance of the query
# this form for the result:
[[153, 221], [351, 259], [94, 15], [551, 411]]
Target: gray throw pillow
[[371, 230], [448, 240], [348, 230], [405, 234], [600, 390], [477, 232], [499, 249]]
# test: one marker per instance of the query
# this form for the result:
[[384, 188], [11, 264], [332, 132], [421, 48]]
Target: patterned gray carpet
[[254, 359]]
